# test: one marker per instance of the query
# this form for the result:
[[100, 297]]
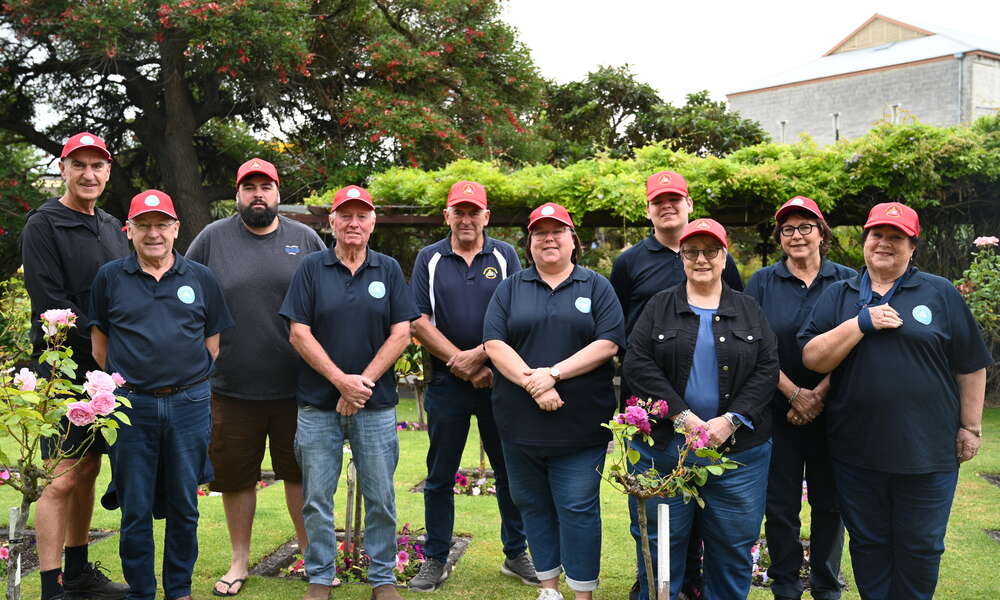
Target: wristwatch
[[555, 373], [733, 420], [976, 431]]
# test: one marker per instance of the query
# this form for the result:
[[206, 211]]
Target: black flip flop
[[229, 586]]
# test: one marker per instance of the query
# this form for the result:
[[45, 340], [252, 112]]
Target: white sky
[[718, 45]]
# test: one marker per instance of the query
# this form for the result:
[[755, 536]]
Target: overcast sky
[[720, 45]]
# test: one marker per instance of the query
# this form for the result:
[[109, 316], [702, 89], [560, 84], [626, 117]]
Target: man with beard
[[253, 255]]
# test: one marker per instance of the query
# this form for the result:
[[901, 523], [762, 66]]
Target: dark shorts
[[241, 430], [75, 442]]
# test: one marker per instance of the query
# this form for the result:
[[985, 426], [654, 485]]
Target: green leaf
[[122, 417], [715, 469], [633, 456], [110, 436], [615, 467], [124, 402]]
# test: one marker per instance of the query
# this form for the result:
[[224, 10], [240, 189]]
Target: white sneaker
[[549, 594]]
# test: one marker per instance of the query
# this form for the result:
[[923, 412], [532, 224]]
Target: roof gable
[[876, 31]]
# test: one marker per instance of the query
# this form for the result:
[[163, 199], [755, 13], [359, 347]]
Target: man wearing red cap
[[349, 310], [654, 265], [253, 254], [63, 244], [453, 281], [156, 320]]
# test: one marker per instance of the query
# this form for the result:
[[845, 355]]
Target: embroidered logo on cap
[[185, 294], [704, 225], [582, 304], [87, 140], [548, 210], [468, 189], [151, 200], [923, 314], [664, 179], [892, 211], [255, 165], [376, 289], [797, 202], [490, 272], [292, 249], [353, 193]]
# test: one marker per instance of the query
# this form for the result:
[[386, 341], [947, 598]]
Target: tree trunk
[[352, 479], [647, 556], [356, 554], [418, 390]]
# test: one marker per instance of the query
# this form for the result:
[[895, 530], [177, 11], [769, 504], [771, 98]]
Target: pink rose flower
[[401, 559], [4, 553], [98, 382], [660, 409], [632, 401], [80, 413], [4, 475], [986, 241], [103, 403], [118, 379], [698, 438], [55, 317], [25, 380]]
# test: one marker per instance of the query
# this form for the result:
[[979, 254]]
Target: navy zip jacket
[[661, 350]]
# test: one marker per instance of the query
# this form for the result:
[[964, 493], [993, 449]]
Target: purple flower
[[632, 401], [698, 438], [660, 409]]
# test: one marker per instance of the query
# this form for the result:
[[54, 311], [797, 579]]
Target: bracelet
[[976, 431], [795, 394], [680, 418]]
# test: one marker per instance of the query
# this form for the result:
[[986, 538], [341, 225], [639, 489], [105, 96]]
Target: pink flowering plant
[[478, 484], [32, 407], [980, 287], [636, 423]]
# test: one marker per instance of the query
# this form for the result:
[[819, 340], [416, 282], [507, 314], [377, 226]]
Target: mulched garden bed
[[762, 560], [993, 478], [465, 480], [995, 534], [266, 480], [29, 554]]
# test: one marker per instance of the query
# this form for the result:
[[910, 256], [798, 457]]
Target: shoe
[[317, 591], [633, 594], [386, 591], [549, 594], [432, 574], [521, 567], [93, 583], [229, 588], [690, 592]]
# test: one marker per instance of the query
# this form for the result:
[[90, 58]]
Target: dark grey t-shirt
[[255, 362]]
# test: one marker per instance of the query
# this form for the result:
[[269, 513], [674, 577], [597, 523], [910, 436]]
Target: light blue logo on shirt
[[291, 249], [185, 294], [376, 289], [582, 304], [923, 314]]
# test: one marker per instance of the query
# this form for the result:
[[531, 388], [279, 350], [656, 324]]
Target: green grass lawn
[[968, 570]]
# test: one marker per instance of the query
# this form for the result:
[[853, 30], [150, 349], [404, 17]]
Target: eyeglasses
[[691, 254], [146, 227], [804, 229], [541, 235]]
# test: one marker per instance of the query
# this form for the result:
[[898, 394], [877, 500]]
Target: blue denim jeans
[[558, 493], [160, 459], [729, 523], [450, 404], [897, 525], [319, 443]]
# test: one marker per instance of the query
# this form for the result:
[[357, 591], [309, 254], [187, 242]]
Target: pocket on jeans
[[199, 393]]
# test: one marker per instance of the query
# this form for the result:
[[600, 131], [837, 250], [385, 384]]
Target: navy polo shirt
[[787, 303], [649, 267], [455, 294], [545, 326], [893, 404], [156, 329], [350, 316]]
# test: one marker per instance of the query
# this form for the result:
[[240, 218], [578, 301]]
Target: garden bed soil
[[995, 534], [993, 478], [419, 488], [29, 553], [276, 563], [803, 572]]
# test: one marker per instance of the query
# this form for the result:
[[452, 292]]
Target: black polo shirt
[[350, 316], [156, 329], [893, 404], [787, 302], [455, 294], [545, 326], [649, 267]]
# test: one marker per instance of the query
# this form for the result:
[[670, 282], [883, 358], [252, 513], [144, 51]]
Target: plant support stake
[[663, 550]]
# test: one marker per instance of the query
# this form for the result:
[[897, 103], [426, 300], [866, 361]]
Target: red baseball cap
[[799, 203], [255, 166], [550, 210], [151, 201], [707, 227], [84, 140], [467, 191], [664, 182], [349, 193], [898, 215]]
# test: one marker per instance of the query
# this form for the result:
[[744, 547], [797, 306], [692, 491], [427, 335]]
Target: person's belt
[[163, 391]]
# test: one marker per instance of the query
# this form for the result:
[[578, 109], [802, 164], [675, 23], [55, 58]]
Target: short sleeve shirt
[[350, 316], [545, 326], [787, 302], [156, 329], [893, 404], [455, 294]]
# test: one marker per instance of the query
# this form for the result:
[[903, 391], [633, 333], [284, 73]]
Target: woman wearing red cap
[[551, 331], [787, 291], [907, 370], [708, 351]]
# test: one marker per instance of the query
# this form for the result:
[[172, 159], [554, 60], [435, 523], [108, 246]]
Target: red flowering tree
[[351, 84]]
